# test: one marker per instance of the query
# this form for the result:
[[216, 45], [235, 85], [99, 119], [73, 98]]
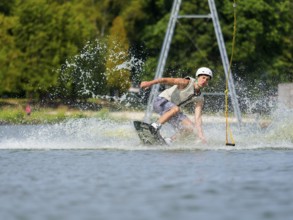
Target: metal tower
[[166, 46]]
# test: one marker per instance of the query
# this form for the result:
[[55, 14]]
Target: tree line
[[71, 48]]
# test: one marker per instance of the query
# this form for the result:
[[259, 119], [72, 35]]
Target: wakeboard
[[147, 134]]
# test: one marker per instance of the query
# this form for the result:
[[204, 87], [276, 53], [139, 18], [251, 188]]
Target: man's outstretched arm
[[198, 121]]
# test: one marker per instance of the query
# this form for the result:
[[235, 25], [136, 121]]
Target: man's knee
[[175, 110]]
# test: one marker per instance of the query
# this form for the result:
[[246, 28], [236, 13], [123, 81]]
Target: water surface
[[93, 169]]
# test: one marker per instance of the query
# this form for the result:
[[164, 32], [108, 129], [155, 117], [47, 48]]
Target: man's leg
[[165, 117], [169, 114], [187, 126]]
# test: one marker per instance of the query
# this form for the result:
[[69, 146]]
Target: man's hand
[[203, 139], [145, 84]]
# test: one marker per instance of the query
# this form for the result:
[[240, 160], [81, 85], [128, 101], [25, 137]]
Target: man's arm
[[166, 81], [198, 121]]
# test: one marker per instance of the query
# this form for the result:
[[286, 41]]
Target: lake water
[[97, 169]]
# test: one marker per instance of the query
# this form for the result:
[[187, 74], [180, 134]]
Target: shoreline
[[57, 116], [13, 112]]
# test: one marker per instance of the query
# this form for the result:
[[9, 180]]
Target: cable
[[228, 130]]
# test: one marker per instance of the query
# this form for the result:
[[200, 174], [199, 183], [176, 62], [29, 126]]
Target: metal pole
[[225, 60], [163, 57], [166, 46]]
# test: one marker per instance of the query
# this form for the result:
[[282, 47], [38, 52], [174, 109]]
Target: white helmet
[[204, 71]]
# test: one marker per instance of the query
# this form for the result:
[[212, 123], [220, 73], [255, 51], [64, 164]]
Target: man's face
[[203, 80]]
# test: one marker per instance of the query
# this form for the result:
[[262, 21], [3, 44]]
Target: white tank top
[[177, 96]]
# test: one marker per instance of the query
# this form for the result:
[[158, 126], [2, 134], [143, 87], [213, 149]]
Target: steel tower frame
[[165, 50]]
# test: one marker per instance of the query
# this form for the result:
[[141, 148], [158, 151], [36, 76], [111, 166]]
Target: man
[[183, 91]]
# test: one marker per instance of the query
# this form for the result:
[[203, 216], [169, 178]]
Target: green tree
[[38, 36], [46, 35], [118, 76], [106, 11], [6, 6], [84, 75], [263, 46], [9, 57], [190, 48]]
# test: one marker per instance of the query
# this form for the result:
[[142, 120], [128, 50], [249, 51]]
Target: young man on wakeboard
[[183, 91]]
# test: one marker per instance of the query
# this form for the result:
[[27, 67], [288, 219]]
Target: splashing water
[[88, 73], [281, 128], [73, 134], [105, 133], [109, 134], [256, 97]]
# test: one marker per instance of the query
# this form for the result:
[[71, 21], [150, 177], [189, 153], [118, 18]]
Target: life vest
[[180, 96]]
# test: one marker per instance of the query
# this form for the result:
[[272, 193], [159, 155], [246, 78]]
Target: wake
[[109, 134]]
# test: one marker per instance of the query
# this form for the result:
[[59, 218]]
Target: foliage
[[9, 57], [38, 37], [45, 34], [83, 76], [118, 76], [264, 31]]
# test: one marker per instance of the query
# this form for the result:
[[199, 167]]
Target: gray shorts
[[162, 105]]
